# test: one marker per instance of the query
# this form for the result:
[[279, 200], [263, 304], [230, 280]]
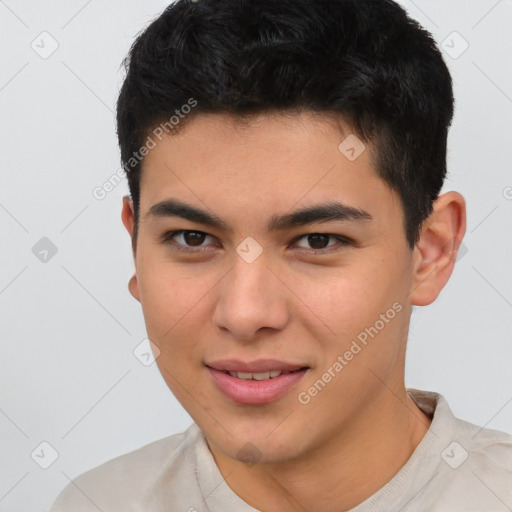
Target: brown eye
[[318, 243], [185, 240], [193, 238]]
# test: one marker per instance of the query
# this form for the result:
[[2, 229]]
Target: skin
[[354, 436]]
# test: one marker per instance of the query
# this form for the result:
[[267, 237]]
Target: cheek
[[343, 305], [342, 298], [175, 304], [167, 290]]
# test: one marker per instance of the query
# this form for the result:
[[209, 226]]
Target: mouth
[[272, 374], [256, 383]]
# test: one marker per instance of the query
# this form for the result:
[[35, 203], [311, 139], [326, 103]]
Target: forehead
[[270, 162]]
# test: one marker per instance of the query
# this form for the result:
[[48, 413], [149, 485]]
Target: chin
[[259, 448]]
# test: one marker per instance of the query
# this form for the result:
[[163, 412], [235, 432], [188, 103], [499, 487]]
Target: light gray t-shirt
[[457, 467]]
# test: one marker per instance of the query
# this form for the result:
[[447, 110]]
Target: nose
[[251, 298]]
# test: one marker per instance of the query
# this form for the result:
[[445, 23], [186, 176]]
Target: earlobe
[[133, 286], [436, 250]]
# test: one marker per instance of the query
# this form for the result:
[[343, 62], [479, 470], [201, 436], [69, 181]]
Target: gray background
[[68, 324]]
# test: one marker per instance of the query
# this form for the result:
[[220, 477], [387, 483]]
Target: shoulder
[[493, 447], [461, 466], [123, 482], [479, 464], [473, 439]]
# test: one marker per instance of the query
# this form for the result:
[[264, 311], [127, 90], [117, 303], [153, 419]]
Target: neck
[[341, 473]]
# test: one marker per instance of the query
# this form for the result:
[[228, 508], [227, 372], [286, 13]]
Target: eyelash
[[167, 239]]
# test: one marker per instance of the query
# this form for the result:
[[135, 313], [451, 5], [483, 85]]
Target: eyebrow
[[323, 212]]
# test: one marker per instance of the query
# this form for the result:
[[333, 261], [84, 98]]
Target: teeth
[[257, 376]]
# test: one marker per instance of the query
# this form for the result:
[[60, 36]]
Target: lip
[[256, 392], [257, 366]]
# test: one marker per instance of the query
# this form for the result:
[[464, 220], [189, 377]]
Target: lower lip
[[255, 392]]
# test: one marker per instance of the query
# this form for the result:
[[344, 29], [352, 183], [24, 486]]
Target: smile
[[256, 387], [257, 376]]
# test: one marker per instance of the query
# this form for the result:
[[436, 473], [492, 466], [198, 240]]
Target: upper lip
[[257, 366]]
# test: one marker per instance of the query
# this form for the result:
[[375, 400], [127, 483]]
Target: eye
[[185, 240], [320, 243], [180, 240]]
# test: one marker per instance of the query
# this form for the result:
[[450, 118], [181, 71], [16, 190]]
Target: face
[[250, 285]]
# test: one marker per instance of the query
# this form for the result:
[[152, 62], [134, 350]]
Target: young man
[[285, 161]]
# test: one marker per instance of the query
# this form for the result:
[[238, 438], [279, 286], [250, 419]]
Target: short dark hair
[[365, 60]]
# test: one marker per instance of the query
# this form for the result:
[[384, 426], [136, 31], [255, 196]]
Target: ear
[[436, 250], [128, 218]]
